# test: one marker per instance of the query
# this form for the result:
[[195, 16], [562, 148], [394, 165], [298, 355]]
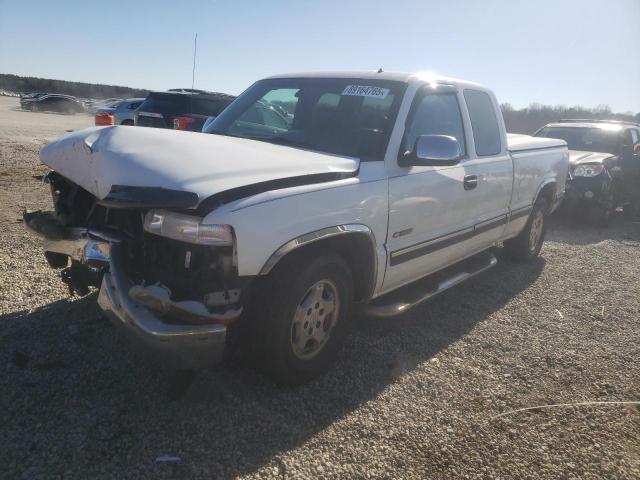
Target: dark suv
[[604, 170], [181, 109]]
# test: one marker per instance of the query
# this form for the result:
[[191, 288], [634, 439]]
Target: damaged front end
[[164, 276]]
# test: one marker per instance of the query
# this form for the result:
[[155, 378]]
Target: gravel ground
[[413, 397]]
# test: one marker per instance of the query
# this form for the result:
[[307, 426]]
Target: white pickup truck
[[310, 197]]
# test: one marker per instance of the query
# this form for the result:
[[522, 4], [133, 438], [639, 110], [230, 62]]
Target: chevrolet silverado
[[367, 192]]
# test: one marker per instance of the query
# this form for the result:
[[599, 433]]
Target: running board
[[407, 297]]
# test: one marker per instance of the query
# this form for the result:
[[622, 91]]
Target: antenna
[[193, 73]]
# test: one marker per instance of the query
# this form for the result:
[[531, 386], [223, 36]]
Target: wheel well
[[548, 192], [356, 249]]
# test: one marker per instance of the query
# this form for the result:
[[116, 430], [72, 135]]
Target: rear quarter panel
[[534, 168]]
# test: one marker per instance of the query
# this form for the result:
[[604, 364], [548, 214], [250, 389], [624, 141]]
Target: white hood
[[205, 164], [578, 156]]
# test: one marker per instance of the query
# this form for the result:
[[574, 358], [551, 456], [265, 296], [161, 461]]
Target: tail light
[[105, 119], [181, 123]]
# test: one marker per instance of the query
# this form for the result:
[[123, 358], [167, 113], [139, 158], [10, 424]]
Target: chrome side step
[[405, 298]]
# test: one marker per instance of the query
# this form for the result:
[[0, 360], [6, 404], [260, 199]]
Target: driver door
[[432, 209]]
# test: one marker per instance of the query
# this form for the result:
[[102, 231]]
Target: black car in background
[[52, 102], [604, 171], [181, 109]]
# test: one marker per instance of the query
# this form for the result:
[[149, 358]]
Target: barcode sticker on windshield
[[365, 91]]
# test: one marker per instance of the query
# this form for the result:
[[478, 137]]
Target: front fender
[[266, 231]]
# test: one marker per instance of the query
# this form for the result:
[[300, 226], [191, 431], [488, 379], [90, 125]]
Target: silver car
[[122, 111]]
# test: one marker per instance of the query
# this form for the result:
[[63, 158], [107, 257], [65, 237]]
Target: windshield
[[584, 138], [341, 116]]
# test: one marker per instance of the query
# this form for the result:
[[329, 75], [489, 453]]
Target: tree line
[[531, 118], [15, 83], [526, 120]]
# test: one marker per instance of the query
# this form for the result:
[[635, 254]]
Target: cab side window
[[486, 132], [434, 114]]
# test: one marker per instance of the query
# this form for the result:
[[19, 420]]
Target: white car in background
[[119, 112]]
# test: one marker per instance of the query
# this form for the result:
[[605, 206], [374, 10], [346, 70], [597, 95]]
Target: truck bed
[[517, 142]]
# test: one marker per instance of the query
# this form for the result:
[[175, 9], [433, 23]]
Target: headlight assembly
[[187, 228], [588, 170]]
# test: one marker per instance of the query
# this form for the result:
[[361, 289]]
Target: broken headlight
[[187, 228], [588, 170]]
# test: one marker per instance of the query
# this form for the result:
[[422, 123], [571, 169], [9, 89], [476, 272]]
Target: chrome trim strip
[[433, 241], [490, 224], [322, 234], [520, 212]]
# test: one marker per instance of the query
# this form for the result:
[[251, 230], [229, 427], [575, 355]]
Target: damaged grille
[[189, 271]]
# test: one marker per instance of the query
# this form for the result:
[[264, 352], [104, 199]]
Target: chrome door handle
[[470, 182]]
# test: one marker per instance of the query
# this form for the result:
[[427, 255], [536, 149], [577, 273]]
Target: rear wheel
[[527, 245], [307, 309], [127, 122]]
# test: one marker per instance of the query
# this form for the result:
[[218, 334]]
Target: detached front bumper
[[167, 328]]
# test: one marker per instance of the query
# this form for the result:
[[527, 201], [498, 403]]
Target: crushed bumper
[[191, 345], [168, 328]]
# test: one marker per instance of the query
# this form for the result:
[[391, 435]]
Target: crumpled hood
[[100, 157], [577, 157]]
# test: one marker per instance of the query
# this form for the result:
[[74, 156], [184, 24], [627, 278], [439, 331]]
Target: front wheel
[[308, 308], [527, 245]]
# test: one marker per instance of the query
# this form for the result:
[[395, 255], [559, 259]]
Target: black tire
[[127, 122], [524, 248], [601, 214], [281, 296]]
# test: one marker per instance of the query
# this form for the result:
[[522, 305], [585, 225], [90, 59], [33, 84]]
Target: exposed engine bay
[[179, 281]]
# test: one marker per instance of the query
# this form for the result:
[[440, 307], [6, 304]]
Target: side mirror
[[433, 150]]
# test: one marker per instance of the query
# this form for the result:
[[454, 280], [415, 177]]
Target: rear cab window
[[484, 123]]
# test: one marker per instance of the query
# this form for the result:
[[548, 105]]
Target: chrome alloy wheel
[[314, 319], [535, 234]]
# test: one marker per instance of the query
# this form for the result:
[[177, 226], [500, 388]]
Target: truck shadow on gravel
[[76, 397]]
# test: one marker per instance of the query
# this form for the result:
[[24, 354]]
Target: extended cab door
[[431, 213], [490, 163]]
